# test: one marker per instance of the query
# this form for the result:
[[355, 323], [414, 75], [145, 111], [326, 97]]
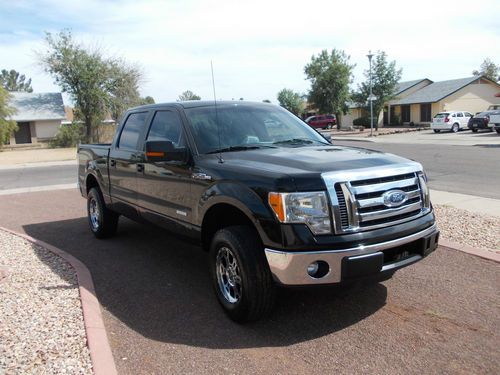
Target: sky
[[257, 47]]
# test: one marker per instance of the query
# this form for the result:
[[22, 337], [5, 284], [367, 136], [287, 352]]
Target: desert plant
[[68, 136]]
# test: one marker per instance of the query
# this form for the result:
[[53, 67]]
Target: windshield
[[247, 126], [441, 115]]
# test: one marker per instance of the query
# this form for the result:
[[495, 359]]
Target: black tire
[[102, 221], [474, 130], [245, 290], [437, 130], [329, 125], [497, 130], [455, 128]]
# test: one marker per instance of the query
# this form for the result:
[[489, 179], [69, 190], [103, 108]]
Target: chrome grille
[[358, 203]]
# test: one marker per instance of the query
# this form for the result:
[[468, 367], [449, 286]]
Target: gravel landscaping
[[468, 228], [41, 322]]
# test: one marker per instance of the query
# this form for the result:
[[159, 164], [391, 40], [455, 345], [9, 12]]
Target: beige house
[[38, 116], [420, 100]]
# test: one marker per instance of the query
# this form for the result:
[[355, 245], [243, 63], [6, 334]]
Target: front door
[[164, 187], [23, 133]]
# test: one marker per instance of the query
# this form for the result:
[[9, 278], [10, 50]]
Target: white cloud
[[258, 47]]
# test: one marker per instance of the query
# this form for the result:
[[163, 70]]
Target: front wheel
[[436, 130], [240, 274], [103, 222]]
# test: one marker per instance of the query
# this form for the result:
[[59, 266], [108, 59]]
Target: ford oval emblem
[[394, 198]]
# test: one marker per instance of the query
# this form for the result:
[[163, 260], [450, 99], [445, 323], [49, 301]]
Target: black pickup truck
[[270, 199]]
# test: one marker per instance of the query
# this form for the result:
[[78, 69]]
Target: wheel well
[[221, 216], [91, 182]]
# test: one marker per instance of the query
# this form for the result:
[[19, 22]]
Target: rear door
[[123, 160]]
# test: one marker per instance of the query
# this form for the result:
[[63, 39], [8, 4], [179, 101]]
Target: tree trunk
[[88, 130], [338, 116]]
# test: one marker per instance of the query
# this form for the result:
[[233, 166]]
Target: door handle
[[112, 162], [140, 167]]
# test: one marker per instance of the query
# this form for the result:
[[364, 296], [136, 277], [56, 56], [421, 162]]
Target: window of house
[[166, 126], [131, 130], [405, 113], [425, 112]]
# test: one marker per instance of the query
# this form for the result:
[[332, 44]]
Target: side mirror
[[165, 151]]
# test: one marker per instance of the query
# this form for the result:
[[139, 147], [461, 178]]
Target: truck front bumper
[[335, 266]]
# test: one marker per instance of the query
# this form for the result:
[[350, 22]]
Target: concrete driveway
[[462, 138]]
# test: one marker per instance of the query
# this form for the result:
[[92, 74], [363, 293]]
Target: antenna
[[216, 113]]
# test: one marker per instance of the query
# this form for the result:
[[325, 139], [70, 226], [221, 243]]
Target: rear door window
[[459, 114], [131, 130]]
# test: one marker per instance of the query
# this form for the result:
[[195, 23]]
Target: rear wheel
[[102, 221], [455, 128], [474, 130], [497, 130], [436, 130], [240, 274], [330, 125]]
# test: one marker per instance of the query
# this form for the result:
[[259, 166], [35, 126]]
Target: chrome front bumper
[[290, 268]]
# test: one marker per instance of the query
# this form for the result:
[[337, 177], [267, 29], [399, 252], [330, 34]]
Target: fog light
[[318, 269], [312, 269]]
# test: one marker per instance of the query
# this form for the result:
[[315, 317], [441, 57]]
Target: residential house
[[38, 116], [420, 100]]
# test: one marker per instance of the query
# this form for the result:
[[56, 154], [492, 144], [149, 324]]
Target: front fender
[[248, 202]]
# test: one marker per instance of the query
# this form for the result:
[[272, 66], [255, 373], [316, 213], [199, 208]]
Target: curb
[[482, 253], [97, 339]]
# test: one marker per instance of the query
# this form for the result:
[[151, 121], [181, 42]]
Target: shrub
[[68, 136], [364, 121]]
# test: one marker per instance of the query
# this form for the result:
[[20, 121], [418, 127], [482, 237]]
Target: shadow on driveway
[[159, 286]]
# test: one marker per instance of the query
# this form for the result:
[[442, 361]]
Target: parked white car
[[451, 120]]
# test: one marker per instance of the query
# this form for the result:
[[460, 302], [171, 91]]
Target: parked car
[[269, 199], [482, 119], [495, 121], [322, 121], [450, 120]]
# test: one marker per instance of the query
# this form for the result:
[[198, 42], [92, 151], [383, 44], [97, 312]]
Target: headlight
[[426, 199], [307, 208]]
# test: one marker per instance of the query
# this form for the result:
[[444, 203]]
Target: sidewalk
[[20, 158], [471, 203]]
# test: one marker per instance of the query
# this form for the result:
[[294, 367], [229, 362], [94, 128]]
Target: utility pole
[[370, 55]]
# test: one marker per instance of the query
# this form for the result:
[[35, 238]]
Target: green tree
[[488, 69], [13, 81], [330, 75], [385, 78], [97, 85], [290, 100], [147, 100], [6, 126], [188, 95]]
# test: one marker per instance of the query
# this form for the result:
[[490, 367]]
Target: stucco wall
[[474, 98], [46, 129]]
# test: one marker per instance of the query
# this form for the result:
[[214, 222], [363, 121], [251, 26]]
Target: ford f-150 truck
[[271, 200]]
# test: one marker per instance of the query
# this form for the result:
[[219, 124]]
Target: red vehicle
[[322, 121]]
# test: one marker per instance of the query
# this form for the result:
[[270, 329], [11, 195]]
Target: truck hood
[[303, 165], [307, 160]]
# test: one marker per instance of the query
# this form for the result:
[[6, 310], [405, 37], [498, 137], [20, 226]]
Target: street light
[[370, 55]]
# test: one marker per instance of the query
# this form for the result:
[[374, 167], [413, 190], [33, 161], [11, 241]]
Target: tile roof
[[435, 91], [37, 106]]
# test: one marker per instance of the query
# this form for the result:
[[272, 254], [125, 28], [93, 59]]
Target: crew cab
[[272, 201]]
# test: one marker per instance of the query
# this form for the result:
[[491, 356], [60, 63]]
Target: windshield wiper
[[236, 148], [297, 141]]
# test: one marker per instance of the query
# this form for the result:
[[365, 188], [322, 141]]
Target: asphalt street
[[473, 170], [40, 176], [440, 316]]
